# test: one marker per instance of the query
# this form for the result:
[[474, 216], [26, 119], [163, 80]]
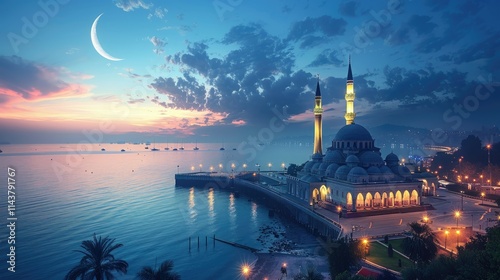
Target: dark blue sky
[[222, 69]]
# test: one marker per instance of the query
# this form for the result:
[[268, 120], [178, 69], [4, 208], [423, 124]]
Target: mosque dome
[[322, 168], [338, 157], [308, 166], [342, 172], [358, 175], [309, 178], [315, 167], [373, 170], [332, 168], [371, 158], [353, 132], [352, 160], [385, 170], [392, 159]]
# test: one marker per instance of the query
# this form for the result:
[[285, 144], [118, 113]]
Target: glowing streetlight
[[220, 167], [283, 270], [192, 167], [339, 210], [283, 166], [462, 192], [201, 165], [489, 162], [245, 270], [270, 165], [211, 168], [426, 219], [445, 237], [482, 180], [482, 196], [458, 233], [457, 215], [365, 243], [244, 166]]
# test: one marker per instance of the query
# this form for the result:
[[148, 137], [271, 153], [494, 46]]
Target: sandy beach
[[269, 265]]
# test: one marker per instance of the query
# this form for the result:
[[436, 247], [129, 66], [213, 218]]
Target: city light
[[245, 270], [457, 215], [445, 237]]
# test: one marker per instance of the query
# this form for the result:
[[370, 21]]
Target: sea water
[[66, 193]]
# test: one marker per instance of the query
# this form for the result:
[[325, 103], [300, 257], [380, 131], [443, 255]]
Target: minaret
[[349, 97], [318, 127]]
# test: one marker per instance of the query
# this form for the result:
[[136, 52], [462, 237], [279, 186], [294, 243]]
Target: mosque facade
[[352, 173]]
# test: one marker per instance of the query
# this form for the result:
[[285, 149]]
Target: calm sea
[[66, 192]]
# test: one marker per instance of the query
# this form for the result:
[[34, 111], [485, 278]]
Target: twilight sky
[[226, 70]]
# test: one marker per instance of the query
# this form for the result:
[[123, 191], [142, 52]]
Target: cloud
[[314, 31], [327, 57], [130, 5], [22, 79], [348, 8], [158, 13], [158, 43], [417, 26]]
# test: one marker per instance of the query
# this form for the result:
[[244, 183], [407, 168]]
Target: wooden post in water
[[190, 244], [206, 242], [198, 242], [214, 240]]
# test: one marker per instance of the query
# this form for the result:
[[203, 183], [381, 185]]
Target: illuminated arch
[[323, 192], [369, 200], [414, 198], [385, 200], [360, 201], [377, 200], [398, 199], [315, 195], [406, 198], [391, 199], [425, 187], [348, 201]]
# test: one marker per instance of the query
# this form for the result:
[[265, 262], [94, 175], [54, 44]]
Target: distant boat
[[1, 151], [181, 148], [154, 149], [222, 149], [175, 149], [167, 148], [146, 147], [122, 150], [103, 149], [196, 146], [234, 149]]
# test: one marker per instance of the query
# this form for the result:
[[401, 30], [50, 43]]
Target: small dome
[[373, 170], [391, 158], [322, 168], [385, 170], [401, 170], [315, 167], [342, 172], [352, 159], [308, 166], [337, 157], [354, 132], [370, 158], [332, 168], [357, 171], [329, 156]]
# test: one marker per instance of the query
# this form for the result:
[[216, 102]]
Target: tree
[[98, 261], [311, 274], [164, 272], [420, 246], [344, 254], [471, 149]]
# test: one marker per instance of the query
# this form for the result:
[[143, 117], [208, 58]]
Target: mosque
[[352, 173]]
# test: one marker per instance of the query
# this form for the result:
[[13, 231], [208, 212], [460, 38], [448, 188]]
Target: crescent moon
[[95, 42]]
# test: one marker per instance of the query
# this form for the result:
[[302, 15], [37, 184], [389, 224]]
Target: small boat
[[122, 150], [154, 149], [181, 148], [234, 149], [146, 148], [175, 149], [196, 148], [1, 151], [222, 149], [103, 149], [167, 148]]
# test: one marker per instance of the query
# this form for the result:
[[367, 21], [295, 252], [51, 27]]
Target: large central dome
[[353, 132]]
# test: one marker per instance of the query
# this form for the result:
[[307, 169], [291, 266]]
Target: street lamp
[[489, 162], [220, 167], [245, 270], [426, 219], [283, 166], [457, 215], [339, 210], [244, 166], [445, 237], [482, 180], [365, 243], [462, 192], [482, 196], [270, 165], [458, 233], [201, 165]]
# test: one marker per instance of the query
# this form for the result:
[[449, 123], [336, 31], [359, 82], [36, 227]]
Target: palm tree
[[420, 246], [311, 274], [97, 263], [164, 272]]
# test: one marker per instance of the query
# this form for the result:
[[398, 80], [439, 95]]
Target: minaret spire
[[349, 97], [318, 126]]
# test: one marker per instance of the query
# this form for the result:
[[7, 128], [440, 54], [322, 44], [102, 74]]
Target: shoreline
[[268, 265]]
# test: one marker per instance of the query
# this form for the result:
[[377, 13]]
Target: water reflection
[[192, 204], [254, 213], [232, 211], [211, 200]]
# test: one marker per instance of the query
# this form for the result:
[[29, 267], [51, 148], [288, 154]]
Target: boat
[[103, 149], [222, 149], [122, 150], [196, 146], [1, 151], [175, 149], [181, 148], [167, 148], [155, 149], [146, 148]]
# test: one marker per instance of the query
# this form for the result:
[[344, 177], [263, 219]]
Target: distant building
[[352, 172]]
